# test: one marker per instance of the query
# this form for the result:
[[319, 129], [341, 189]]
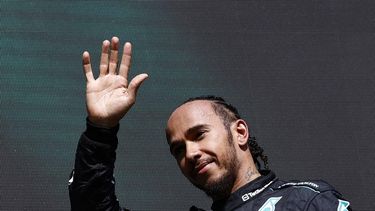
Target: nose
[[193, 151]]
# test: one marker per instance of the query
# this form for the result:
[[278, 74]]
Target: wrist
[[101, 134], [102, 123]]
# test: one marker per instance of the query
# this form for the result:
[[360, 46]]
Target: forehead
[[191, 114]]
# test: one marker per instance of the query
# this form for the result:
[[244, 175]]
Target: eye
[[178, 151], [200, 134]]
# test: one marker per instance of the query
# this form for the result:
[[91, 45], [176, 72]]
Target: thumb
[[135, 83]]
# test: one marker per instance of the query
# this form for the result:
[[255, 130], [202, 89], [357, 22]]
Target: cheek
[[182, 165], [217, 145], [225, 151]]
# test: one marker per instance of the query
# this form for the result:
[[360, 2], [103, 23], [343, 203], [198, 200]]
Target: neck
[[247, 175], [244, 172], [244, 177]]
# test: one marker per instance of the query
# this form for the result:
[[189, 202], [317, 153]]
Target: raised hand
[[110, 96]]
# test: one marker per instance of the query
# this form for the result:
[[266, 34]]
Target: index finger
[[125, 60]]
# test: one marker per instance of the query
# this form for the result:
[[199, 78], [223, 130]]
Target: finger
[[114, 54], [104, 58], [125, 60], [136, 83], [87, 66]]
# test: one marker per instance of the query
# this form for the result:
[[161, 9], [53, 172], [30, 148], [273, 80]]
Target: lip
[[202, 167]]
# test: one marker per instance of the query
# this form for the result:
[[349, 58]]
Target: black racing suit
[[92, 185]]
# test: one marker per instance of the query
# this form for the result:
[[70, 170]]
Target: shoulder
[[312, 195], [309, 185], [305, 190]]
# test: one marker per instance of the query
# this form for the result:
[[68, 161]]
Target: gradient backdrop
[[300, 72]]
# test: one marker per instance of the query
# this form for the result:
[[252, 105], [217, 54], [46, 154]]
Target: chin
[[211, 177], [214, 179], [217, 186]]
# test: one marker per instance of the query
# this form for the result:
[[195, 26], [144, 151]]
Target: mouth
[[202, 166]]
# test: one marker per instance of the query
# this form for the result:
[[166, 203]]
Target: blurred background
[[300, 72]]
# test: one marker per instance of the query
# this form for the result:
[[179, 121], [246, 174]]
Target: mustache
[[199, 164]]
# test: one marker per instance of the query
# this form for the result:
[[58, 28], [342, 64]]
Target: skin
[[206, 151], [110, 96]]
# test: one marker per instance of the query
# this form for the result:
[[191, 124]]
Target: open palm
[[110, 96]]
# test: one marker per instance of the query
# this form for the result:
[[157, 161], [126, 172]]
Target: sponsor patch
[[270, 204], [343, 205]]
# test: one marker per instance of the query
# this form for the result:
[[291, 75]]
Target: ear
[[241, 132]]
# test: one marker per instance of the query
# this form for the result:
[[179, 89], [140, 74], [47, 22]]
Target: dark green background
[[300, 72]]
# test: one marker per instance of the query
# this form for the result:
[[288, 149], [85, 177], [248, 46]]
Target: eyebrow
[[196, 128], [193, 129]]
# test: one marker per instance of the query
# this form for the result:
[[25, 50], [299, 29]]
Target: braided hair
[[228, 113]]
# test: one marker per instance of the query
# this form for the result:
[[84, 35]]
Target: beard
[[222, 187]]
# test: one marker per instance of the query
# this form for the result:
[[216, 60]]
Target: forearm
[[108, 98], [92, 186]]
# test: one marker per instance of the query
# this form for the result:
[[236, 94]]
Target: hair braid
[[257, 151]]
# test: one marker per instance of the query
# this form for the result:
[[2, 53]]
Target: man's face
[[203, 147]]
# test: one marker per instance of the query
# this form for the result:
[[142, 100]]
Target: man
[[207, 137]]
